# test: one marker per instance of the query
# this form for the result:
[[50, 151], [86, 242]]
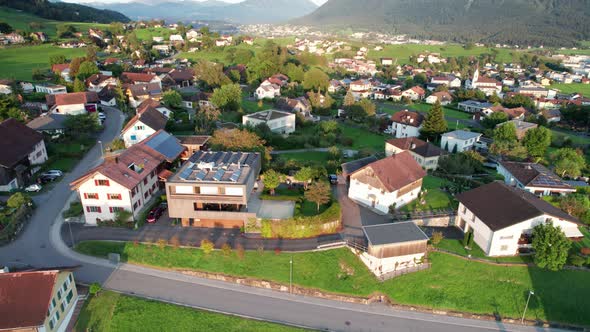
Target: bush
[[17, 200], [303, 226], [226, 250], [437, 237], [240, 251], [75, 210], [161, 243], [577, 260], [207, 246], [95, 288]]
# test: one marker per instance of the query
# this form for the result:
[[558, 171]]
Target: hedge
[[303, 227]]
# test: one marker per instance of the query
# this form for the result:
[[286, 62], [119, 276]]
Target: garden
[[435, 196]]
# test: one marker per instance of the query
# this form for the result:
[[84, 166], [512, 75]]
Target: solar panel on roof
[[185, 173], [234, 177], [226, 158], [219, 174], [201, 175]]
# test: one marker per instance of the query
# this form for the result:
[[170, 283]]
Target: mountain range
[[523, 22], [246, 12], [61, 11]]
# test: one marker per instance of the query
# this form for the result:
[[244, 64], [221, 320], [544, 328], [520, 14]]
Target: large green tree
[[272, 179], [568, 161], [316, 80], [551, 247], [172, 98], [536, 141], [435, 123], [304, 175], [211, 74], [228, 97]]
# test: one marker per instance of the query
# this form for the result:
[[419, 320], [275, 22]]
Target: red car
[[154, 214]]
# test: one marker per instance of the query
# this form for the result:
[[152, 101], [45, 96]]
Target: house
[[37, 300], [143, 125], [297, 105], [248, 40], [27, 87], [176, 39], [199, 100], [443, 97], [97, 82], [393, 247], [193, 143], [138, 93], [62, 69], [267, 90], [51, 89], [392, 181], [533, 177], [39, 36], [193, 35], [517, 113], [393, 94], [502, 218], [6, 87], [360, 89], [487, 85], [140, 78], [425, 153], [450, 81], [387, 61], [459, 140], [335, 86], [128, 180], [108, 96], [353, 166], [406, 124], [474, 106], [74, 103], [278, 121], [155, 104], [213, 189], [521, 127], [182, 78], [414, 93], [22, 149], [552, 115], [537, 92], [49, 123]]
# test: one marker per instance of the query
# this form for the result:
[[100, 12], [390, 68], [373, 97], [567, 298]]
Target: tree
[[330, 126], [87, 69], [239, 140], [172, 98], [551, 247], [367, 106], [536, 141], [207, 246], [57, 59], [66, 31], [5, 28], [205, 119], [319, 193], [272, 179], [82, 124], [117, 144], [75, 67], [519, 100], [348, 99], [568, 162], [211, 74], [435, 123], [494, 119], [294, 72], [316, 80], [91, 53], [304, 174], [577, 205], [505, 133], [228, 97], [79, 85], [17, 200]]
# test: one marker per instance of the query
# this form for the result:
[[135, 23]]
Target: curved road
[[40, 245]]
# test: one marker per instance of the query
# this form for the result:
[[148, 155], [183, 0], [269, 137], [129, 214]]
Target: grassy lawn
[[578, 140], [457, 247], [363, 139], [251, 106], [18, 62], [319, 157], [309, 209], [403, 52], [111, 311], [449, 112], [63, 164], [435, 198], [572, 88], [451, 284], [147, 33]]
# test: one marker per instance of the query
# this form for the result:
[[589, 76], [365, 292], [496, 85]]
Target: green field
[[18, 62], [320, 157], [403, 52], [583, 89], [456, 246], [435, 198], [147, 33], [449, 112], [111, 311], [450, 284], [218, 54], [576, 139], [20, 21], [363, 139]]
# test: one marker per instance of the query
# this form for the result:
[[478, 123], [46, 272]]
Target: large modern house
[[279, 122], [459, 140], [392, 181], [502, 218], [533, 177], [212, 189]]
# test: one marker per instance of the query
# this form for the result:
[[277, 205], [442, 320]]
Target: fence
[[397, 273]]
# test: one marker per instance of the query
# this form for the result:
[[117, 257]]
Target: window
[[139, 127], [69, 296], [145, 195], [90, 196], [133, 137], [464, 209], [473, 217], [115, 209], [503, 248], [101, 183], [154, 186], [61, 307], [145, 181], [114, 196], [59, 294], [57, 316], [96, 209]]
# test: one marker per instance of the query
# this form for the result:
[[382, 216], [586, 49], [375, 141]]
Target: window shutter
[[108, 183], [88, 209], [99, 209], [96, 182], [110, 209], [85, 195]]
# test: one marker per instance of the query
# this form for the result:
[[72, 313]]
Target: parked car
[[33, 188], [53, 172], [45, 178], [154, 215], [333, 178], [102, 116]]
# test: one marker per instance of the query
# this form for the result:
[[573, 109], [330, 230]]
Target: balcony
[[219, 199]]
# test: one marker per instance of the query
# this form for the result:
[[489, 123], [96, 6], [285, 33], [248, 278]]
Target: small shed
[[394, 247]]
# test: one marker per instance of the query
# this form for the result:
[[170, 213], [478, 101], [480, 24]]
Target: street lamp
[[531, 292], [291, 275], [101, 149]]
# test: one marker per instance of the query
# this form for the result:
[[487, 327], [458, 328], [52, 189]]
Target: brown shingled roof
[[24, 298], [409, 118], [151, 117], [16, 142], [392, 173], [137, 77], [76, 98], [418, 146]]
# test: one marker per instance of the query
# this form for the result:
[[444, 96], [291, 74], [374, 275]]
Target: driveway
[[354, 216], [276, 209]]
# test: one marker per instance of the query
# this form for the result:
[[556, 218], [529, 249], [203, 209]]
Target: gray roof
[[353, 166], [268, 115], [476, 103], [52, 121], [462, 134], [166, 144], [217, 167], [393, 233]]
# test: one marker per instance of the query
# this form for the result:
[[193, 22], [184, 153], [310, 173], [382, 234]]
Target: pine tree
[[435, 123], [79, 86]]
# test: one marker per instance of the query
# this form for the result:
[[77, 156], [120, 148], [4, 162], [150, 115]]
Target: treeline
[[61, 11]]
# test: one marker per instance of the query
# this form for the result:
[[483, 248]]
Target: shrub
[[75, 210], [207, 246], [260, 249], [226, 249], [161, 243], [577, 260], [277, 251], [437, 237], [17, 200], [95, 288]]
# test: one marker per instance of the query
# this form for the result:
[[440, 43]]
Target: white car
[[54, 172], [33, 188], [102, 116]]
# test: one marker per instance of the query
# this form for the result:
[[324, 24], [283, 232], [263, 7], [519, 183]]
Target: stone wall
[[439, 221]]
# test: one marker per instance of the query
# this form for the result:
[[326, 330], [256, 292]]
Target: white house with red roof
[[487, 85], [392, 181], [406, 124], [74, 103], [414, 93], [267, 90]]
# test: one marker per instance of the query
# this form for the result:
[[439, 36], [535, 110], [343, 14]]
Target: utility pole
[[291, 275]]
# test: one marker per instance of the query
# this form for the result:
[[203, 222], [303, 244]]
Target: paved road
[[40, 245]]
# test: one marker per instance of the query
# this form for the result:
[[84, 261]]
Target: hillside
[[537, 22], [249, 11], [61, 11]]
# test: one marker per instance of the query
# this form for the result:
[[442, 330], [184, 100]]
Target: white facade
[[401, 130], [137, 133], [267, 90], [51, 89], [100, 199], [504, 242], [379, 199], [282, 125], [449, 142], [430, 163], [39, 154], [380, 266], [73, 109], [412, 95]]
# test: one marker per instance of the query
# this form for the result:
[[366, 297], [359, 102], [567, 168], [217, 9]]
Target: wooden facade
[[398, 249]]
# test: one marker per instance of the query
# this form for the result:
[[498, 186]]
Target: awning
[[572, 232]]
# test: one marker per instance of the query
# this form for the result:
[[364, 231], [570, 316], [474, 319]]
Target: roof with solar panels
[[217, 167]]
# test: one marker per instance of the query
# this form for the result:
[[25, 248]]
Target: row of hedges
[[14, 221], [303, 227]]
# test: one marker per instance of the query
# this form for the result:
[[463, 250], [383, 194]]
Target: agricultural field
[[583, 89], [18, 62], [219, 54]]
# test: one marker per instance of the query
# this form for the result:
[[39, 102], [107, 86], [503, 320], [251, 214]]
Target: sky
[[318, 2]]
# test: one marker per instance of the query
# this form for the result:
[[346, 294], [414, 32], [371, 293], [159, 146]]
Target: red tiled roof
[[151, 117], [137, 77], [394, 172], [60, 67], [76, 98], [145, 104], [418, 146], [24, 298], [406, 117]]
